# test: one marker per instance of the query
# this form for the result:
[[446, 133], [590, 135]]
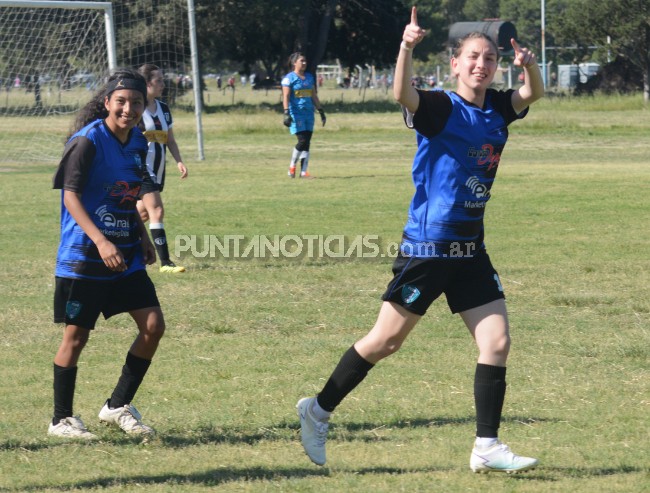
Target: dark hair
[[293, 58], [147, 71], [95, 108], [460, 42]]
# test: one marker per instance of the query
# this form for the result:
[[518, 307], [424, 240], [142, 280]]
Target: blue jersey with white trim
[[108, 176], [459, 149]]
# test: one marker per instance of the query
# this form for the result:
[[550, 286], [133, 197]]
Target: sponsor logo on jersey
[[109, 220], [303, 93], [123, 189], [157, 136], [487, 155], [410, 294], [478, 189]]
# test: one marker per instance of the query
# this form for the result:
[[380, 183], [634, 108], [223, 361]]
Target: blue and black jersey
[[459, 148], [108, 175]]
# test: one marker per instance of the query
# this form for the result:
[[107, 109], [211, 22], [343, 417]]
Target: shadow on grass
[[216, 477], [354, 177], [435, 422], [283, 431], [555, 474], [212, 477], [52, 442]]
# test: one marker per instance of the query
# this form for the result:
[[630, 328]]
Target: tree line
[[250, 34], [359, 32]]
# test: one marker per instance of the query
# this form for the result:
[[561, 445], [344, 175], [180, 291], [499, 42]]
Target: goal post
[[107, 7], [54, 54]]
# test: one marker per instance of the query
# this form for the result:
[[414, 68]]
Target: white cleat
[[313, 433], [127, 418], [499, 458], [71, 427]]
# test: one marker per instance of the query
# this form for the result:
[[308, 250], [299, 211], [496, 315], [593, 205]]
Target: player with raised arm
[[460, 136]]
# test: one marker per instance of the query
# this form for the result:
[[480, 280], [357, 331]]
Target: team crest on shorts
[[72, 308], [410, 294]]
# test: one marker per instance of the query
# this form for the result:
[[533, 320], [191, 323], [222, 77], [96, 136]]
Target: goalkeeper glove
[[287, 118], [323, 118]]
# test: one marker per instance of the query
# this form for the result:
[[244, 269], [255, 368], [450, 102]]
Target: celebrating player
[[157, 127], [299, 98], [100, 265], [460, 137]]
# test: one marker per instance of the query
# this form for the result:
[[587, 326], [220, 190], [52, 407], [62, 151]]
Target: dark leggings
[[304, 139]]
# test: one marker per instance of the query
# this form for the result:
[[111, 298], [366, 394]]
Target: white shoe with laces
[[313, 433], [499, 458], [126, 418], [71, 427]]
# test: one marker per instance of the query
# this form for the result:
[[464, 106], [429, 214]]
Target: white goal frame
[[107, 7]]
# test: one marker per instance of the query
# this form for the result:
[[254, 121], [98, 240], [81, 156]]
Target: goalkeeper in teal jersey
[[460, 136], [299, 99]]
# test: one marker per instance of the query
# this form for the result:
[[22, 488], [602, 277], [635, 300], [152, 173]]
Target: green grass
[[566, 228]]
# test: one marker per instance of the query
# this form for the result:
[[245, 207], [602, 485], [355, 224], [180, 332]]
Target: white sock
[[484, 443], [294, 157], [156, 226], [304, 157], [319, 413]]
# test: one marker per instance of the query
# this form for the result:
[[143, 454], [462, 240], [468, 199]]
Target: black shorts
[[466, 282], [80, 301], [149, 185]]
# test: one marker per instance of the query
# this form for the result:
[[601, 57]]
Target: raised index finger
[[414, 16], [515, 46]]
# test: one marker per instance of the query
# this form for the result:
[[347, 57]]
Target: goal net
[[54, 55]]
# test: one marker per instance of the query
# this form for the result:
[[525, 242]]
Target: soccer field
[[248, 335]]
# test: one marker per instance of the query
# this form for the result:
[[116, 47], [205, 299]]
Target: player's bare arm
[[533, 87], [403, 91], [172, 145]]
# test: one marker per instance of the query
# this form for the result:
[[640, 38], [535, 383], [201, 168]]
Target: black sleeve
[[432, 113], [75, 164], [502, 102]]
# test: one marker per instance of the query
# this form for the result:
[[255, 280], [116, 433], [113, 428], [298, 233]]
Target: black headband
[[124, 83]]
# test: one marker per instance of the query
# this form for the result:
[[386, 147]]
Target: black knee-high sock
[[65, 380], [349, 373], [489, 394], [160, 241], [133, 373]]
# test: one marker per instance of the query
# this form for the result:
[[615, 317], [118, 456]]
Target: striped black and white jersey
[[155, 127]]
